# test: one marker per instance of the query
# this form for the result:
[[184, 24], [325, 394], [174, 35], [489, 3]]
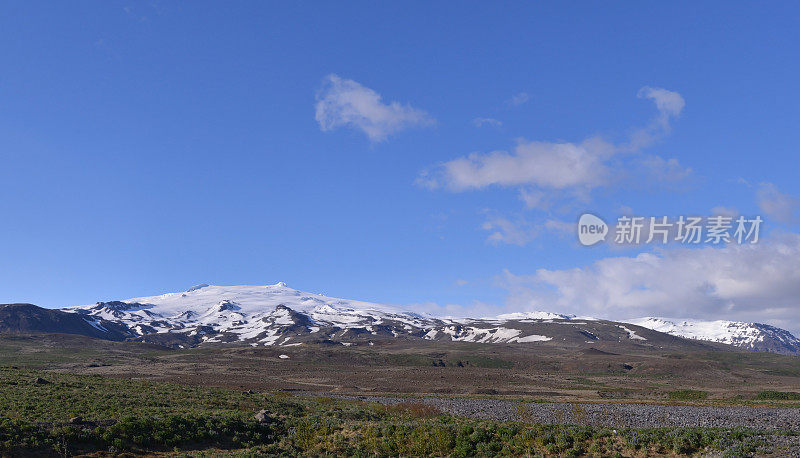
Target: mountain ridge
[[27, 318], [278, 315]]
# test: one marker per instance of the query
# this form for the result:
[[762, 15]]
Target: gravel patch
[[611, 415]]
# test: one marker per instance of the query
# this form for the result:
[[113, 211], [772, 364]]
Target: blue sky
[[150, 146]]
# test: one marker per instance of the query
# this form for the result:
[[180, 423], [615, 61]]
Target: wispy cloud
[[535, 198], [520, 230], [669, 104], [491, 122], [775, 204], [576, 167], [665, 170], [724, 211], [502, 230], [346, 103], [518, 99], [561, 227]]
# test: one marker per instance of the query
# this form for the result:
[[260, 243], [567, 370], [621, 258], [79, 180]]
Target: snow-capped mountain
[[267, 315], [279, 315], [752, 336]]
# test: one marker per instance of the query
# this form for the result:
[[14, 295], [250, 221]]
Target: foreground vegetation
[[63, 414]]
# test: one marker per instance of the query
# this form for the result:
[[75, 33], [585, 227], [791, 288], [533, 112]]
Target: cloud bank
[[759, 282]]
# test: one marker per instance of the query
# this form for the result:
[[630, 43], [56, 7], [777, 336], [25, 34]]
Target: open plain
[[609, 390]]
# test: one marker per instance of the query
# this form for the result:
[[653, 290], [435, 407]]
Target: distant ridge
[[752, 336], [279, 315], [28, 318]]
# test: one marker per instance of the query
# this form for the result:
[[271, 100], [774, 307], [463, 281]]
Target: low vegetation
[[63, 414], [778, 396]]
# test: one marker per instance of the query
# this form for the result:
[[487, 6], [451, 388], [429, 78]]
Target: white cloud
[[750, 282], [565, 166], [781, 207], [669, 105], [665, 170], [491, 122], [343, 102], [461, 282], [540, 164], [518, 99]]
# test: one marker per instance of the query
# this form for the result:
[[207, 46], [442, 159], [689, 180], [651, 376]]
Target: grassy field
[[65, 414]]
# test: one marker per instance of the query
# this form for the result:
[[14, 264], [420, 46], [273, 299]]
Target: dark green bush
[[687, 395], [150, 433], [778, 396]]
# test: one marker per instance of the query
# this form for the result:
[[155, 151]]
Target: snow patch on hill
[[753, 336]]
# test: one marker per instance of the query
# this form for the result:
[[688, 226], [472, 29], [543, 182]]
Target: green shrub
[[687, 395], [778, 396]]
